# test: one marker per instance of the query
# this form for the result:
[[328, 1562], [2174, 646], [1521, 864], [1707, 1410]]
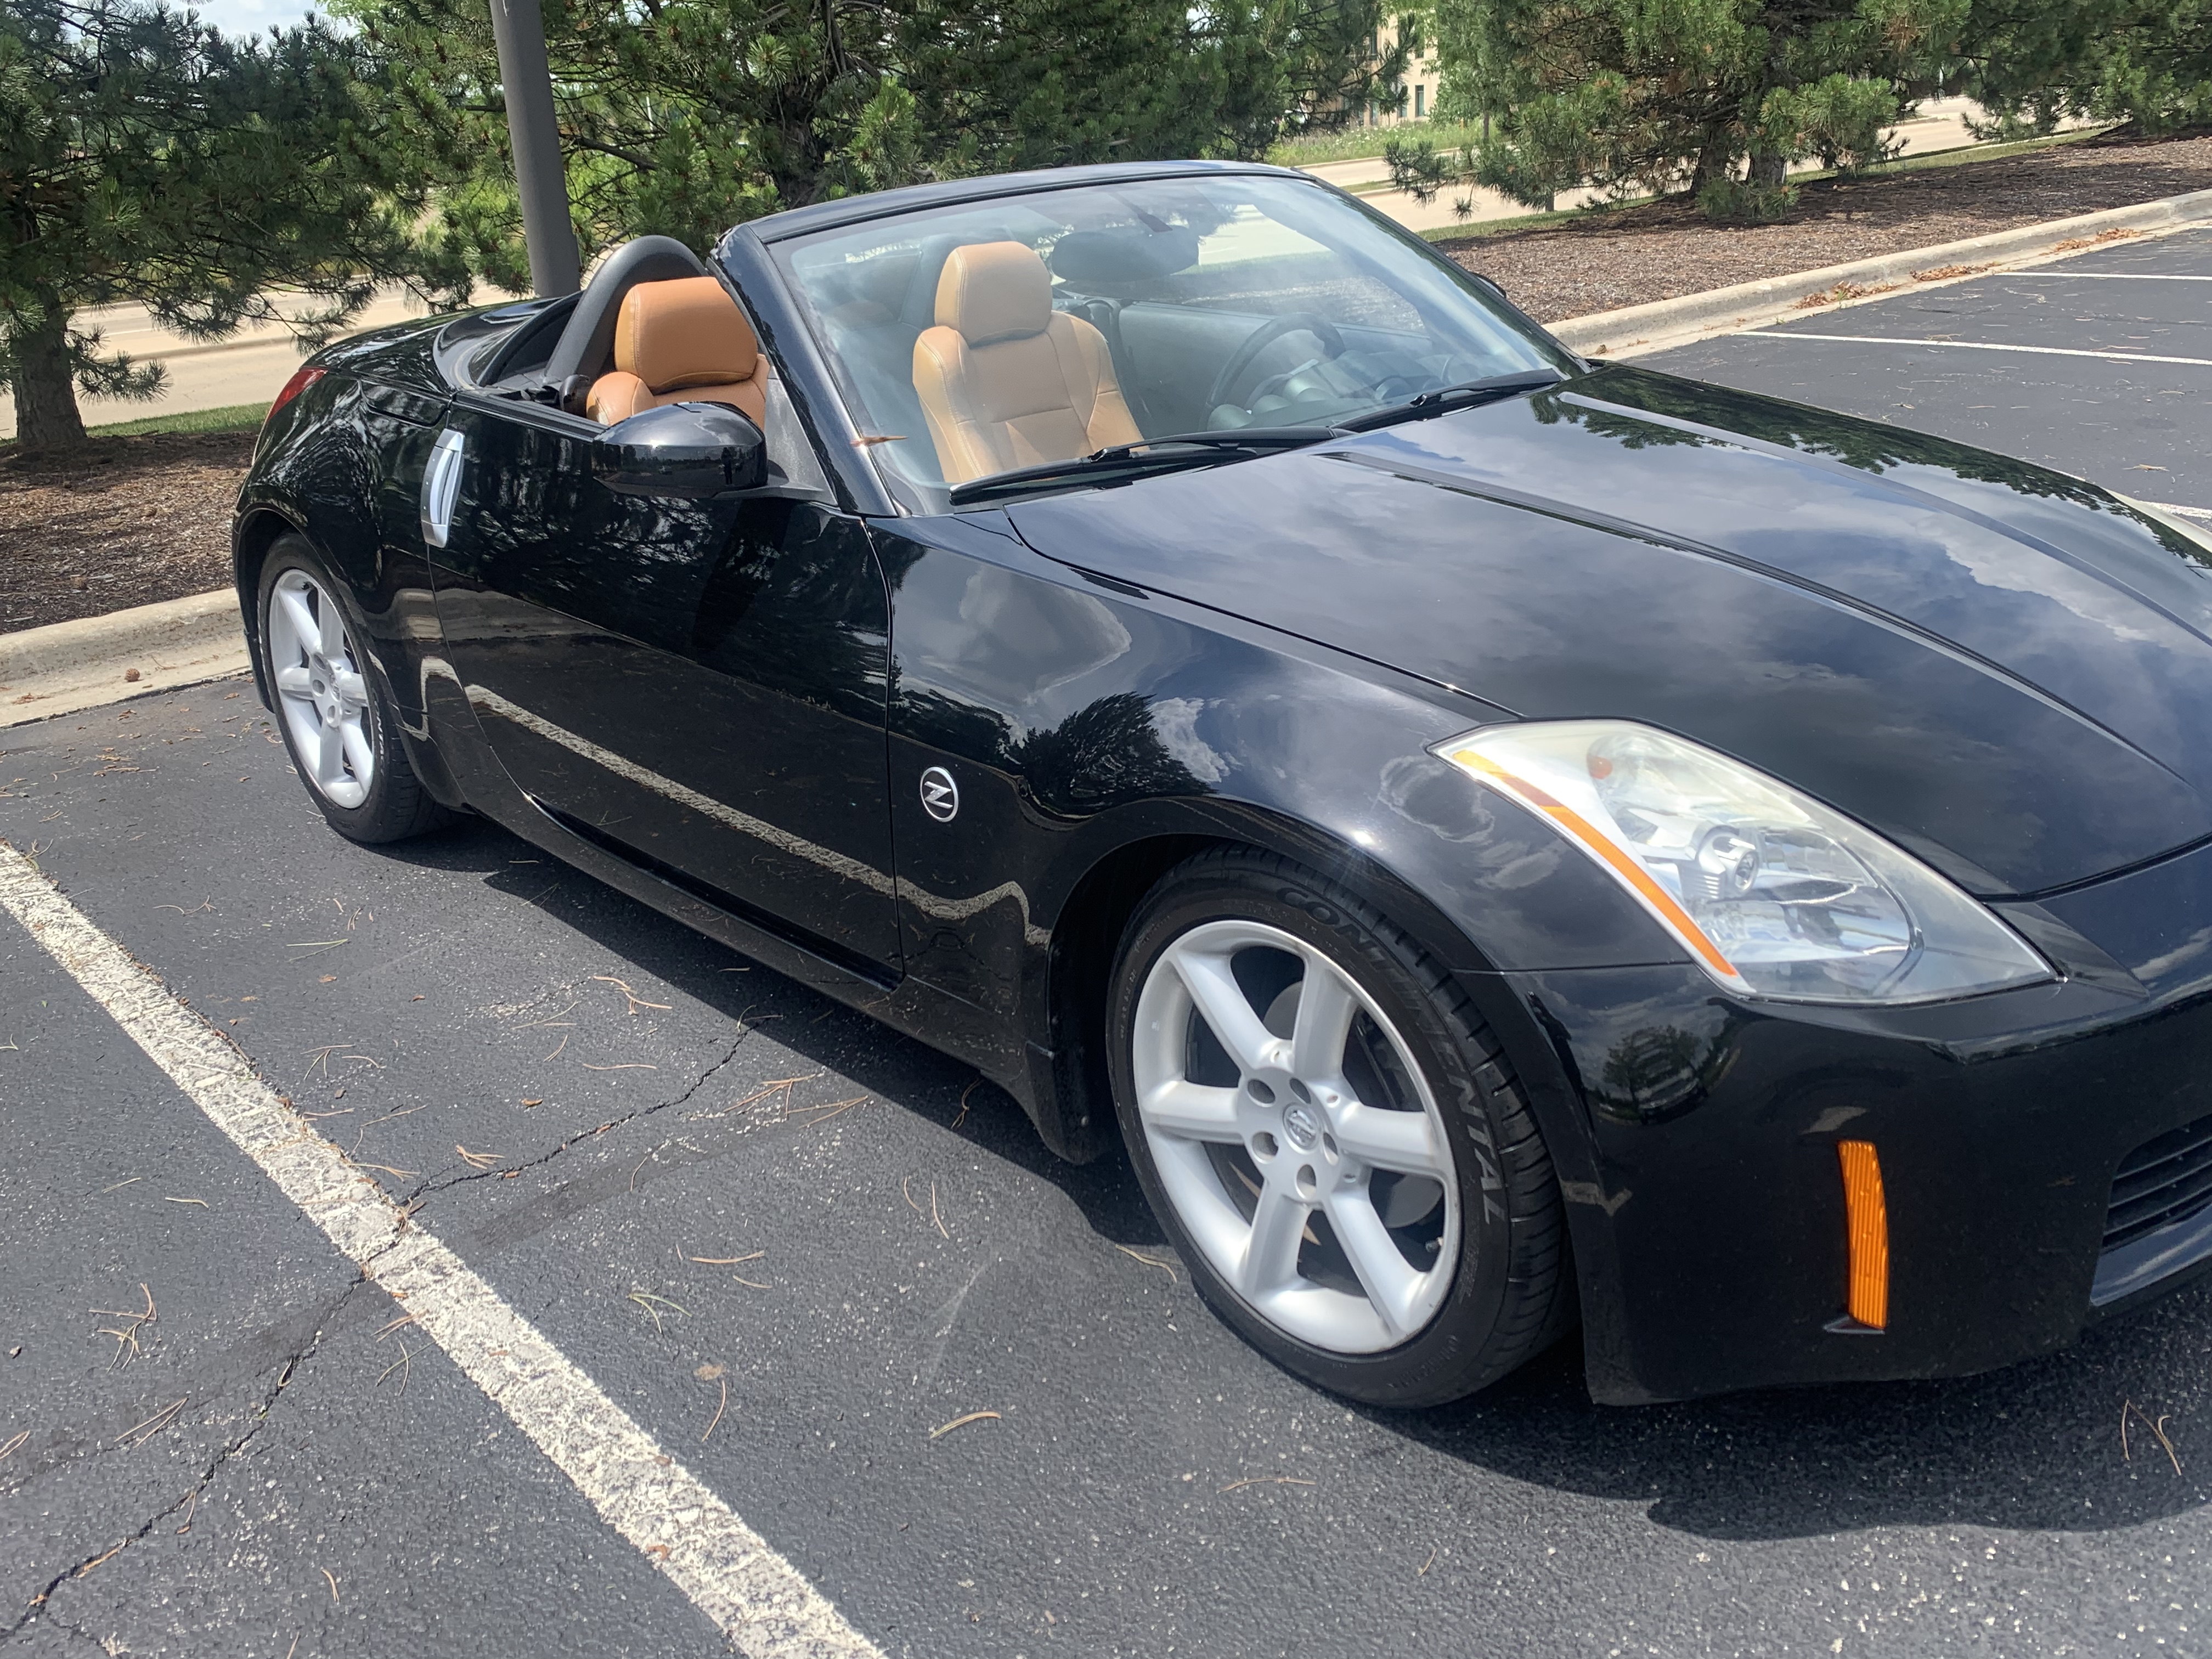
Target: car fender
[[345, 472], [1096, 735]]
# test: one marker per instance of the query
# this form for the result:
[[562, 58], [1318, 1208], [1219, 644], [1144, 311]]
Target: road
[[249, 368], [689, 1176]]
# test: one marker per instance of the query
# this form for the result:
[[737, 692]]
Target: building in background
[[1422, 75]]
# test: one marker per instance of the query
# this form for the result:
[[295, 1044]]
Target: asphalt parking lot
[[792, 1249], [2100, 365]]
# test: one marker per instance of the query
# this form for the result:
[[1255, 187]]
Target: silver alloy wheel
[[1307, 1157], [319, 688]]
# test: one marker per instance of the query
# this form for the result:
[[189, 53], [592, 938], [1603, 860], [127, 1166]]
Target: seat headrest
[[683, 333], [994, 291], [1126, 254]]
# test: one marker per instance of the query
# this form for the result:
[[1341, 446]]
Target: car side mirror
[[690, 452]]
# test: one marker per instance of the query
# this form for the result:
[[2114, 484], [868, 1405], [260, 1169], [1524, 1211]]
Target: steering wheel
[[1290, 322]]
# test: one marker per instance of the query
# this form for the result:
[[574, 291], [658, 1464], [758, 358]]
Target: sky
[[248, 16]]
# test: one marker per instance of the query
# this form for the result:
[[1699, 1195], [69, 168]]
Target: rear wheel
[[338, 726], [1331, 1136]]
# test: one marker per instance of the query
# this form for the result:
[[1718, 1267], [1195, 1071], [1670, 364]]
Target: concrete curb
[[1635, 329], [67, 666]]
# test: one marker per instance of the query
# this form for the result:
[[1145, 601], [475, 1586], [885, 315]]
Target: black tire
[[396, 806], [1512, 1292]]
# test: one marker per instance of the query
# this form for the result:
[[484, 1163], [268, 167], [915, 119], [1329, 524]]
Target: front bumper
[[1710, 1231]]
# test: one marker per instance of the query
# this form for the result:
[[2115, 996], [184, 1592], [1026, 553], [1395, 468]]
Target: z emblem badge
[[940, 796]]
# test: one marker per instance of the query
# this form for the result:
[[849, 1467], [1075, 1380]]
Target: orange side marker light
[[1866, 1226]]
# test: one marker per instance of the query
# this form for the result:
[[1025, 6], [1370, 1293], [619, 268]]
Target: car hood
[[1999, 667]]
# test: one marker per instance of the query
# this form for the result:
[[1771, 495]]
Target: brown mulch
[[121, 521], [1665, 249]]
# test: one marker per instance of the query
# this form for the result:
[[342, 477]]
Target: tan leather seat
[[1005, 380], [676, 342]]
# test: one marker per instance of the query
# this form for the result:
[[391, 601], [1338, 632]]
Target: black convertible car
[[1502, 839]]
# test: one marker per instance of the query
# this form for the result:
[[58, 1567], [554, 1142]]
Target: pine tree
[[685, 116], [1636, 97], [145, 158], [2033, 64]]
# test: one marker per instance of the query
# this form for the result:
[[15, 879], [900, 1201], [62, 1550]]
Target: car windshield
[[987, 337]]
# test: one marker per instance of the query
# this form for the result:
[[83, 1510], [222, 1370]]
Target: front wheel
[[1331, 1136], [339, 726]]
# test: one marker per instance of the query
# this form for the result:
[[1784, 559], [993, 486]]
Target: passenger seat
[[681, 341], [1006, 381]]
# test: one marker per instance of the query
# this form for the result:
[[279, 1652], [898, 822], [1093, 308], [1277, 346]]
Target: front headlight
[[1772, 893]]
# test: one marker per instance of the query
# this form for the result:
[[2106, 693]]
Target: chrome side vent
[[441, 487]]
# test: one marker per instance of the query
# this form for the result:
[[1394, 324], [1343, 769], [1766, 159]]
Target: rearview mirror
[[687, 451]]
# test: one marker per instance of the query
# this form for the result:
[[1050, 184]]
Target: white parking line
[[762, 1603], [1976, 345], [2108, 276]]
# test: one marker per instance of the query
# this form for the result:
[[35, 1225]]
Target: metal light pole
[[519, 29]]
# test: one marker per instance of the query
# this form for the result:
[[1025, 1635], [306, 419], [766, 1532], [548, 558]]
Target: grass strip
[[232, 417], [1364, 143]]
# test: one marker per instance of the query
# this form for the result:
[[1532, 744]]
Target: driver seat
[[1006, 381], [682, 340]]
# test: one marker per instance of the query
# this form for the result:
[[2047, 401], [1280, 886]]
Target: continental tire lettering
[[1319, 909], [1471, 1107], [1476, 1120]]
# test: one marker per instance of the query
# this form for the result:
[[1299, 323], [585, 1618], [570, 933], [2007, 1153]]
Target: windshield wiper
[[1120, 462], [1444, 399]]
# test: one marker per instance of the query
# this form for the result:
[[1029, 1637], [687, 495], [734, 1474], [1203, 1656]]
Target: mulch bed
[[1665, 249], [127, 521], [121, 521]]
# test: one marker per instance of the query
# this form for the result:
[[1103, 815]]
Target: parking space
[[794, 1248], [2100, 365], [217, 1411]]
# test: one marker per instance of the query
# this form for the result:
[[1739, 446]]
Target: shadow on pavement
[[919, 1080], [2036, 1446]]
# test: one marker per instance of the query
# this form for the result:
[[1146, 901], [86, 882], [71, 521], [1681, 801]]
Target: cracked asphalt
[[888, 1249], [790, 1245]]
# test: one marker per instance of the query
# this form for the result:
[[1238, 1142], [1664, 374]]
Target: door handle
[[442, 486]]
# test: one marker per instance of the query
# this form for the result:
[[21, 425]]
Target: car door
[[698, 685]]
